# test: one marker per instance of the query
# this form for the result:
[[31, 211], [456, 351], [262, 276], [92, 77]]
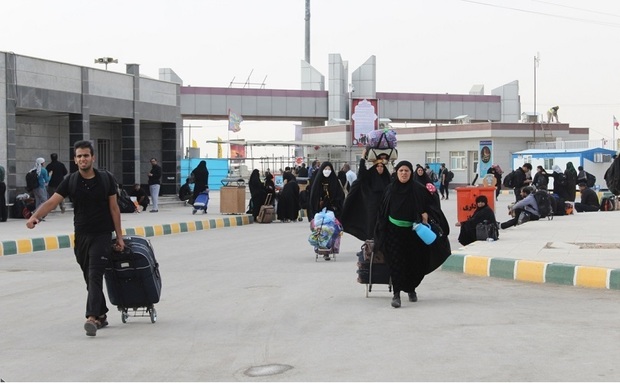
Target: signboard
[[486, 157], [364, 119]]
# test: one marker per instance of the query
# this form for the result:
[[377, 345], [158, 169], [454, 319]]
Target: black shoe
[[326, 257], [396, 302], [413, 297]]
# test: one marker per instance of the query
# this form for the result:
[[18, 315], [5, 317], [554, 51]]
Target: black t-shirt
[[138, 193], [58, 170], [90, 203]]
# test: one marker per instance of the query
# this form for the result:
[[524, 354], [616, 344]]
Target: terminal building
[[46, 106]]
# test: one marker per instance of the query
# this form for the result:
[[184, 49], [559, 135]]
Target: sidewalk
[[576, 250]]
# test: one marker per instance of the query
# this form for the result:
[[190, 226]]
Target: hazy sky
[[422, 46]]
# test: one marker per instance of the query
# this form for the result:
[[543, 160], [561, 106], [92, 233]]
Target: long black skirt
[[407, 256]]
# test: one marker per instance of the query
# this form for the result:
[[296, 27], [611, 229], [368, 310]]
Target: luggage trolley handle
[[268, 199]]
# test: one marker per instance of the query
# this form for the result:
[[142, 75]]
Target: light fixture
[[106, 61]]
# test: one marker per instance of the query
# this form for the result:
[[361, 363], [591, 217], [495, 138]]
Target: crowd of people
[[374, 204]]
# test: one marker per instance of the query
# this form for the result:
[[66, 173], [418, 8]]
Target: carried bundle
[[382, 144], [325, 229]]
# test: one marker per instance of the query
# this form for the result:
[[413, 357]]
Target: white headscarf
[[37, 165], [556, 168]]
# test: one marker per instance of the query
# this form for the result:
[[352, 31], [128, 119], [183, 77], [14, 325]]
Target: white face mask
[[326, 173]]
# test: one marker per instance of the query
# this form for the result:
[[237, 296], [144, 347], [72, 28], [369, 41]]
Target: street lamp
[[106, 61], [536, 61]]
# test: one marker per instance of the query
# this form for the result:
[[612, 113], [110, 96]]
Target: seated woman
[[483, 213]]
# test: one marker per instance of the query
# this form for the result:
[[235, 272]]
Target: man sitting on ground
[[524, 210], [141, 197], [589, 199]]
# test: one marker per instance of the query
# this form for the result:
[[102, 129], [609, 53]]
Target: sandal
[[91, 327], [102, 321]]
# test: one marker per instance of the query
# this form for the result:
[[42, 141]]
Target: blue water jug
[[424, 232]]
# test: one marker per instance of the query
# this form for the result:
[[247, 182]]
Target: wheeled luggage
[[325, 236], [371, 267], [201, 202], [133, 280], [267, 212]]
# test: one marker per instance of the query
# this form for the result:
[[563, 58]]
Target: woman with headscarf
[[559, 183], [201, 178], [359, 213], [40, 193], [325, 191], [571, 181], [258, 194], [498, 180], [270, 186], [482, 213], [408, 201], [288, 199]]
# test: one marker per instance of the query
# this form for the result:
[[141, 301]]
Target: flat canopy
[[273, 143]]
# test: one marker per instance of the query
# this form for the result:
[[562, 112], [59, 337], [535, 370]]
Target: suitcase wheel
[[124, 316]]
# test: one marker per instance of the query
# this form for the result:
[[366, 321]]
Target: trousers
[[92, 252]]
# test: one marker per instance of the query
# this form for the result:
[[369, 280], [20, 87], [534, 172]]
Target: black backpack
[[544, 204], [449, 176], [32, 180], [509, 180], [590, 179]]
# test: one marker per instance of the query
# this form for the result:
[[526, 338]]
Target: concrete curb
[[534, 271], [31, 245]]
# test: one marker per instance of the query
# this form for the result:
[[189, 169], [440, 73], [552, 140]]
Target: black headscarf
[[424, 178], [359, 213], [320, 184]]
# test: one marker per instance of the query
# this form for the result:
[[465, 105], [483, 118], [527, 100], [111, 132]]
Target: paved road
[[242, 297]]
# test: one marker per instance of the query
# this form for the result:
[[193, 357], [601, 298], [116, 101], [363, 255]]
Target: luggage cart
[[372, 270], [328, 252]]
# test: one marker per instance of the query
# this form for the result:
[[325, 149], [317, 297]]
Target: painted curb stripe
[[595, 277], [534, 271], [477, 265], [530, 271], [30, 245]]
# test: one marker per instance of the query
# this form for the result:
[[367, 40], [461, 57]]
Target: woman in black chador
[[359, 214], [409, 200], [482, 213], [326, 191], [201, 178], [258, 194], [288, 199]]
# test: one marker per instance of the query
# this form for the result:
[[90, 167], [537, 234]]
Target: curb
[[534, 271], [31, 245]]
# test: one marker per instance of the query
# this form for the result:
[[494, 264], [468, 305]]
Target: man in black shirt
[[589, 199], [154, 184], [96, 215], [521, 180], [141, 197], [57, 171]]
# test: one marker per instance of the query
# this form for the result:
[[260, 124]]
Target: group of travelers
[[527, 191]]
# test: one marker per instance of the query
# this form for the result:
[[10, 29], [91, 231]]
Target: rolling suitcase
[[267, 212], [133, 280], [371, 267], [201, 202]]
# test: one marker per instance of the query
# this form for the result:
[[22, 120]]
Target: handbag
[[486, 230]]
